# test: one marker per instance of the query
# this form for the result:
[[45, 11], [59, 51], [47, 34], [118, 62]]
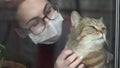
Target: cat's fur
[[87, 39]]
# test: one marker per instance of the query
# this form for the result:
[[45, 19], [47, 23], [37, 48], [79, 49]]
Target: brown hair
[[13, 3]]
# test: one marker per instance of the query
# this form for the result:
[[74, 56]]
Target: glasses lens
[[38, 30], [49, 12], [54, 16], [35, 24]]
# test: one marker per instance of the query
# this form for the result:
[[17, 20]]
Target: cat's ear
[[101, 19], [75, 17]]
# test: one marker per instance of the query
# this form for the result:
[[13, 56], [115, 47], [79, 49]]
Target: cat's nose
[[103, 31]]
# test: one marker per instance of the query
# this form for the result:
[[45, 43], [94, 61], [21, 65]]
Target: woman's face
[[29, 10], [40, 20]]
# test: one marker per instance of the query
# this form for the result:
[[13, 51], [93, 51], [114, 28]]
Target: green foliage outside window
[[2, 47]]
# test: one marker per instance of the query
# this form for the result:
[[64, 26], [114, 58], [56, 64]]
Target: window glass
[[25, 52]]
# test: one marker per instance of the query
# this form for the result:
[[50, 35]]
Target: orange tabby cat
[[87, 39]]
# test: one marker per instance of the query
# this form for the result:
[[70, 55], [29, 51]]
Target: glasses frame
[[22, 32]]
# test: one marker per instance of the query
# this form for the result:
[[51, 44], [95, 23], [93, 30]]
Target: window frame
[[117, 60]]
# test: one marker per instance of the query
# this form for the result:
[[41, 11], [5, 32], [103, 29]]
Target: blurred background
[[23, 51]]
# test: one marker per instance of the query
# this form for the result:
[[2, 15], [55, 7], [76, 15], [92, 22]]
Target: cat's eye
[[103, 28], [93, 27]]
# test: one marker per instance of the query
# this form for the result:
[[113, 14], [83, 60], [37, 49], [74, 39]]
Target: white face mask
[[51, 33]]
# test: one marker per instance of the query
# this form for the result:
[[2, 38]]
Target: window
[[24, 51]]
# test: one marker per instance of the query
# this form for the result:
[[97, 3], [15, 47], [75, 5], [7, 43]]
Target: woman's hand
[[68, 59], [109, 57]]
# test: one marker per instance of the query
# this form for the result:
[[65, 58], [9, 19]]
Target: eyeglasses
[[37, 22]]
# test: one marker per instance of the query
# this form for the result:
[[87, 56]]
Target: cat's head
[[89, 30]]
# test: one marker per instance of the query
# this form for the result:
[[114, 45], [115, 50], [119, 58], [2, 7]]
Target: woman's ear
[[75, 17]]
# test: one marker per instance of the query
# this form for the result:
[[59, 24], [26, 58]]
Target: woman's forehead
[[31, 8], [34, 3]]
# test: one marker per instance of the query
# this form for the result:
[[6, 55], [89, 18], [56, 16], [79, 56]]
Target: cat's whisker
[[104, 36], [107, 43]]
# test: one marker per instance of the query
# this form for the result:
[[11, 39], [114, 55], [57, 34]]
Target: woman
[[42, 23]]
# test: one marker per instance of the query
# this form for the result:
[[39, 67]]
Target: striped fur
[[87, 39]]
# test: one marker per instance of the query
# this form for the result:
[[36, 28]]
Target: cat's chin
[[100, 41]]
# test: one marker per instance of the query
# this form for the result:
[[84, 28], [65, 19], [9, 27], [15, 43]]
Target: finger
[[76, 62], [67, 53], [70, 59], [109, 57], [81, 66], [64, 54]]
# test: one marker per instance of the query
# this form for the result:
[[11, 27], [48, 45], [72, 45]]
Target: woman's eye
[[48, 12], [35, 23]]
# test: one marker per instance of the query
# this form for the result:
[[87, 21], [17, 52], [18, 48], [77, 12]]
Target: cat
[[87, 37]]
